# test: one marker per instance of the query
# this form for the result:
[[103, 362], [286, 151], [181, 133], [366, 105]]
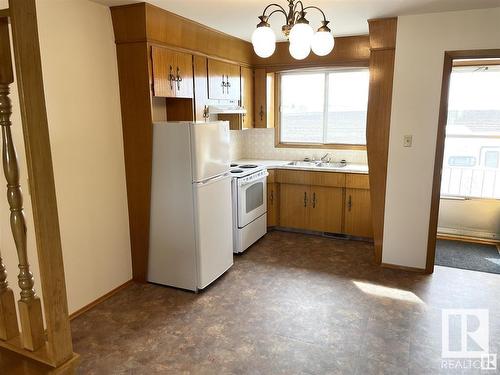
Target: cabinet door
[[294, 212], [260, 109], [184, 75], [358, 218], [233, 78], [200, 88], [272, 204], [217, 75], [247, 96], [163, 64], [326, 206]]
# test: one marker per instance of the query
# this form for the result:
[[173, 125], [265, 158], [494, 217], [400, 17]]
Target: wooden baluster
[[8, 317], [30, 309]]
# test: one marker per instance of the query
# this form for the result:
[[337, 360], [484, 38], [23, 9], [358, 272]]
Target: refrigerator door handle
[[213, 179]]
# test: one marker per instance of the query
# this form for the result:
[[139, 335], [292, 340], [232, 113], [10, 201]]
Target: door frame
[[449, 56]]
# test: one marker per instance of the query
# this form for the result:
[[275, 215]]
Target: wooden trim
[[489, 62], [449, 56], [99, 300], [144, 22], [348, 50], [402, 268], [382, 43], [469, 239], [332, 146], [41, 177]]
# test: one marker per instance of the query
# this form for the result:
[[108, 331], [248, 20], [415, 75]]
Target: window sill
[[331, 146]]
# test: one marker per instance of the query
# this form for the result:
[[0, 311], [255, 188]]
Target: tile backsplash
[[259, 144]]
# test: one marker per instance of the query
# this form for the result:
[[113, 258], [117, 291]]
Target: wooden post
[[8, 317], [30, 308], [41, 176]]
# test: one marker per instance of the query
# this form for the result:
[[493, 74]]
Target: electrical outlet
[[407, 140]]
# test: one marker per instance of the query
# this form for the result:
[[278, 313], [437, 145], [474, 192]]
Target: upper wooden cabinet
[[172, 73], [247, 97], [223, 80], [264, 98]]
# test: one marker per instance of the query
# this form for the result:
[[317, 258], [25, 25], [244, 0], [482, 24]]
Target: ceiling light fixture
[[300, 34]]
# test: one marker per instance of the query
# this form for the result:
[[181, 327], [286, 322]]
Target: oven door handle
[[258, 179]]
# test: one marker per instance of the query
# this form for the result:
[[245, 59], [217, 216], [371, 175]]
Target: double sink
[[318, 164]]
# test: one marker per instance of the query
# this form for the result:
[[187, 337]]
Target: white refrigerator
[[190, 242]]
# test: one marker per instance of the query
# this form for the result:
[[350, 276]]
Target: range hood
[[226, 109]]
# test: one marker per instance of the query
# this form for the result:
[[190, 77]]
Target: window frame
[[277, 115]]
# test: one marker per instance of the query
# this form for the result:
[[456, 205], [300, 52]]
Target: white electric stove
[[249, 195]]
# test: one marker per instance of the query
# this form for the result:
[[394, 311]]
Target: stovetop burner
[[236, 171], [248, 166], [234, 165]]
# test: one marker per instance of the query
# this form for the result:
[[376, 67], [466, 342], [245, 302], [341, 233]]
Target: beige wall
[[81, 90], [470, 217], [421, 42]]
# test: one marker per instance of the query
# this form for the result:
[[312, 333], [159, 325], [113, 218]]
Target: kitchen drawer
[[357, 181], [332, 179]]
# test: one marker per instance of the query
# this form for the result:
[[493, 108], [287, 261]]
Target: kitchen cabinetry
[[264, 99], [172, 73], [223, 80], [324, 202], [273, 199], [247, 97], [358, 218]]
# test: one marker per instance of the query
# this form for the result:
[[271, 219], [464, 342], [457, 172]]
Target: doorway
[[465, 210]]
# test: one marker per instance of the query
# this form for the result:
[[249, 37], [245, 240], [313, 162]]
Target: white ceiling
[[348, 17]]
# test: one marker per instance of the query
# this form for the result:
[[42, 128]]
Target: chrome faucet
[[326, 158]]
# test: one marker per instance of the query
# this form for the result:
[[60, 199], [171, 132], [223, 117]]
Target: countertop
[[283, 164]]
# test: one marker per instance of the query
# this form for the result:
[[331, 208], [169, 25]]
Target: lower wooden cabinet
[[317, 208], [320, 201], [358, 217], [272, 204], [325, 209], [294, 212]]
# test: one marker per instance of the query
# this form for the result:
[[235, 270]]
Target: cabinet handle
[[223, 84], [205, 112], [349, 203], [305, 199], [228, 84], [271, 198], [314, 200], [261, 113], [178, 79], [171, 77]]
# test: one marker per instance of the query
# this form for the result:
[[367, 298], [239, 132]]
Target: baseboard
[[468, 233], [93, 304], [457, 237], [403, 268]]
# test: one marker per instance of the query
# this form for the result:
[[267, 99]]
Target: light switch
[[407, 141]]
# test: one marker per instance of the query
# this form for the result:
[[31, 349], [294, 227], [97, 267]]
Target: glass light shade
[[322, 43], [264, 41], [299, 51], [301, 33]]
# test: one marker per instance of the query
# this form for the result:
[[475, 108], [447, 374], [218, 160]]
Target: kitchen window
[[326, 107]]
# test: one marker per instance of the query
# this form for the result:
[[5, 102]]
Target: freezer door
[[214, 235], [210, 149]]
